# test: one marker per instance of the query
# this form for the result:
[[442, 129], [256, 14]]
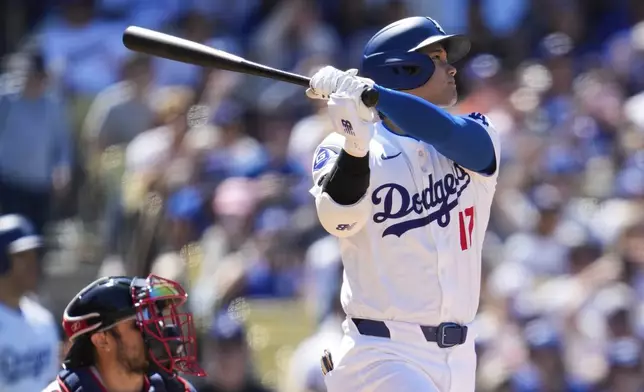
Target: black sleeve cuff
[[348, 180]]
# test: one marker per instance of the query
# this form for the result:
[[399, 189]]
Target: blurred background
[[130, 165]]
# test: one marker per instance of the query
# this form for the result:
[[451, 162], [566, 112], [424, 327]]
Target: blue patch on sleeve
[[322, 156]]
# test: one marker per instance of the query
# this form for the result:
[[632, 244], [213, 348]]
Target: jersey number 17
[[466, 226]]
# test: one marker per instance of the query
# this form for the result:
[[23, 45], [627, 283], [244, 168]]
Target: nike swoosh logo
[[385, 158]]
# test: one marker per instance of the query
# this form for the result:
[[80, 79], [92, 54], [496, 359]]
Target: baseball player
[[128, 334], [407, 188], [29, 341]]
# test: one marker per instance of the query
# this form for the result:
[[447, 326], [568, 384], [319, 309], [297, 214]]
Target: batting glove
[[352, 119], [329, 80]]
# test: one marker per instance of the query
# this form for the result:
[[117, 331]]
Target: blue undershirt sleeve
[[463, 140]]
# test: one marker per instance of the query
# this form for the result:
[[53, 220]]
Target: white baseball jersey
[[417, 257], [29, 347]]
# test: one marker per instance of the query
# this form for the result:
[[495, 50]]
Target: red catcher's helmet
[[154, 303]]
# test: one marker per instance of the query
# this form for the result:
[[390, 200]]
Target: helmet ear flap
[[399, 70]]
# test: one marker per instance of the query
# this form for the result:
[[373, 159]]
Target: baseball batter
[[407, 188]]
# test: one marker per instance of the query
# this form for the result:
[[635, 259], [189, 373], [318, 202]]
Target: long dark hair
[[82, 353]]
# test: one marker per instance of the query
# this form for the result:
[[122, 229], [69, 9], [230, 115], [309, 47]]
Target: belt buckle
[[442, 334]]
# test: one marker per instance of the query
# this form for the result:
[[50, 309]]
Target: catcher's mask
[[169, 334], [153, 302]]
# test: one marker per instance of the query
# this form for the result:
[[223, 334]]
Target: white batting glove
[[353, 120], [325, 82], [329, 80]]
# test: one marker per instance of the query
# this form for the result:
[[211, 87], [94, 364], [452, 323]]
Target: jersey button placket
[[442, 270]]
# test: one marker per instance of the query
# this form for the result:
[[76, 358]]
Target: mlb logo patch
[[322, 157]]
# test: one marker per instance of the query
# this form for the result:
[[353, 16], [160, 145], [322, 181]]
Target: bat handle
[[370, 97]]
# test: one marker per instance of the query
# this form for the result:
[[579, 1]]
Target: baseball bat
[[174, 48]]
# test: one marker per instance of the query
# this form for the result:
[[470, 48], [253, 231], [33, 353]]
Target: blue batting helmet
[[391, 56], [16, 235]]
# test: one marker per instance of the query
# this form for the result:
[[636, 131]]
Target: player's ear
[[100, 341]]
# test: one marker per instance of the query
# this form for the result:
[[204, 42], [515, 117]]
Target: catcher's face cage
[[169, 333]]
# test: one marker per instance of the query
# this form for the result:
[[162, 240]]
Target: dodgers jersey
[[29, 347], [417, 258]]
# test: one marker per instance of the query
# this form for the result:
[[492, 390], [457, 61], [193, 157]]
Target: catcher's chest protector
[[83, 380]]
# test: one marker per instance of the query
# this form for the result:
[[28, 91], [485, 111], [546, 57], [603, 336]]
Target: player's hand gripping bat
[[174, 48]]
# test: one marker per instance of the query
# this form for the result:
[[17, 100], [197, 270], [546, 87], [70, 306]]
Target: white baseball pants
[[405, 362]]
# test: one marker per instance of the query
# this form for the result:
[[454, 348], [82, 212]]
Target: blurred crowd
[[202, 175]]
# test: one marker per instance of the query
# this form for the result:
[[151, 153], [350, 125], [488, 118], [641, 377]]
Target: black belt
[[445, 335]]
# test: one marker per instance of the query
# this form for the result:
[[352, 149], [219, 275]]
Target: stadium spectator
[[35, 148]]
